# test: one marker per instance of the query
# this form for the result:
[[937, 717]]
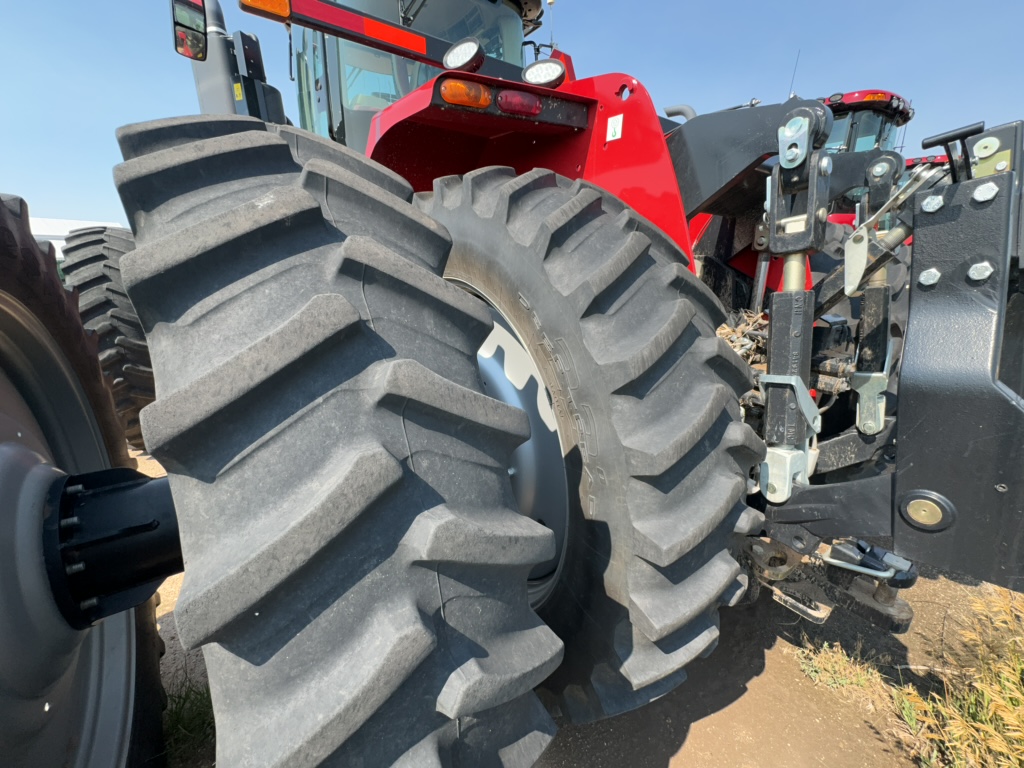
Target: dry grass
[[973, 717], [976, 718], [830, 665]]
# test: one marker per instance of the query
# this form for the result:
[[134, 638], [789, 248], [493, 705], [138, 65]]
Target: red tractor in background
[[455, 448]]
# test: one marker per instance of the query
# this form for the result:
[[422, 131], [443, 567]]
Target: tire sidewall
[[511, 277]]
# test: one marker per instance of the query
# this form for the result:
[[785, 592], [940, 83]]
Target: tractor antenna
[[792, 80], [551, 25]]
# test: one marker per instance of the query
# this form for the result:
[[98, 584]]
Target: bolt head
[[772, 488], [825, 166], [822, 214], [869, 426], [792, 153], [981, 271], [1002, 165], [879, 170], [929, 276], [932, 203], [985, 192]]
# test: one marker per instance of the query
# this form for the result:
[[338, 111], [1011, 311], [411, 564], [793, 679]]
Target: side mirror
[[189, 28]]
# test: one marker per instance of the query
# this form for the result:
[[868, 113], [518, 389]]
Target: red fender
[[622, 149]]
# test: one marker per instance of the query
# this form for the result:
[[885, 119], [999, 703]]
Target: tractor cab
[[866, 120], [342, 84]]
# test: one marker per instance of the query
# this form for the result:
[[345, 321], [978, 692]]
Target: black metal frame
[[718, 156], [960, 429], [960, 432]]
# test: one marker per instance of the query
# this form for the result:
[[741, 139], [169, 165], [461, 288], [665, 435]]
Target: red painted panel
[[360, 24], [628, 155], [622, 150]]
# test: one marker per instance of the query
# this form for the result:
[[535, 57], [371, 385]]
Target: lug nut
[[929, 276]]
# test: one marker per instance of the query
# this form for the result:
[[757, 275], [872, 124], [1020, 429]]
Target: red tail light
[[519, 103]]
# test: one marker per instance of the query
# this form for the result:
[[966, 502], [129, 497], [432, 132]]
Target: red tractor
[[453, 445]]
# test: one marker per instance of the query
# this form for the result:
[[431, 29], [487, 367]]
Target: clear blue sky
[[74, 71]]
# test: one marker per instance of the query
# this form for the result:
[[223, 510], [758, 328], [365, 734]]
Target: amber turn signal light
[[282, 8], [464, 93]]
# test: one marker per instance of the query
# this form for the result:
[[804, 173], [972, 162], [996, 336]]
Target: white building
[[56, 230]]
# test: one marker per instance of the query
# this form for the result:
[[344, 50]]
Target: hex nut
[[980, 271], [985, 192], [932, 203], [929, 276]]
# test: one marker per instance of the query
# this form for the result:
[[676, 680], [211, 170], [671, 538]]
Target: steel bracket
[[786, 465]]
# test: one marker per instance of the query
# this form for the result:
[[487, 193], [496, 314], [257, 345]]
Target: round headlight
[[465, 56], [546, 72]]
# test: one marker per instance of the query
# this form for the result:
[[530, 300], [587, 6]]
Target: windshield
[[861, 131], [345, 84]]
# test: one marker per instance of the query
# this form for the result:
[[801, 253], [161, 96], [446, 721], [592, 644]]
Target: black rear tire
[[68, 419], [646, 398], [354, 565], [92, 265]]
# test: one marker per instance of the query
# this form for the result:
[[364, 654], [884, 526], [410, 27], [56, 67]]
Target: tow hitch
[[850, 574]]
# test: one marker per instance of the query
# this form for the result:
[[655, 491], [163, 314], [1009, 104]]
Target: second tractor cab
[[866, 120]]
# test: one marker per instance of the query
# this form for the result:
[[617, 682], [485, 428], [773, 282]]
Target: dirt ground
[[748, 704]]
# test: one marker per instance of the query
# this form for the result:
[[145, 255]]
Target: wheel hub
[[538, 470], [64, 694]]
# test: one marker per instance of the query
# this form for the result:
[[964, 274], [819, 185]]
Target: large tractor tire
[[92, 265], [644, 409], [85, 698], [355, 567]]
